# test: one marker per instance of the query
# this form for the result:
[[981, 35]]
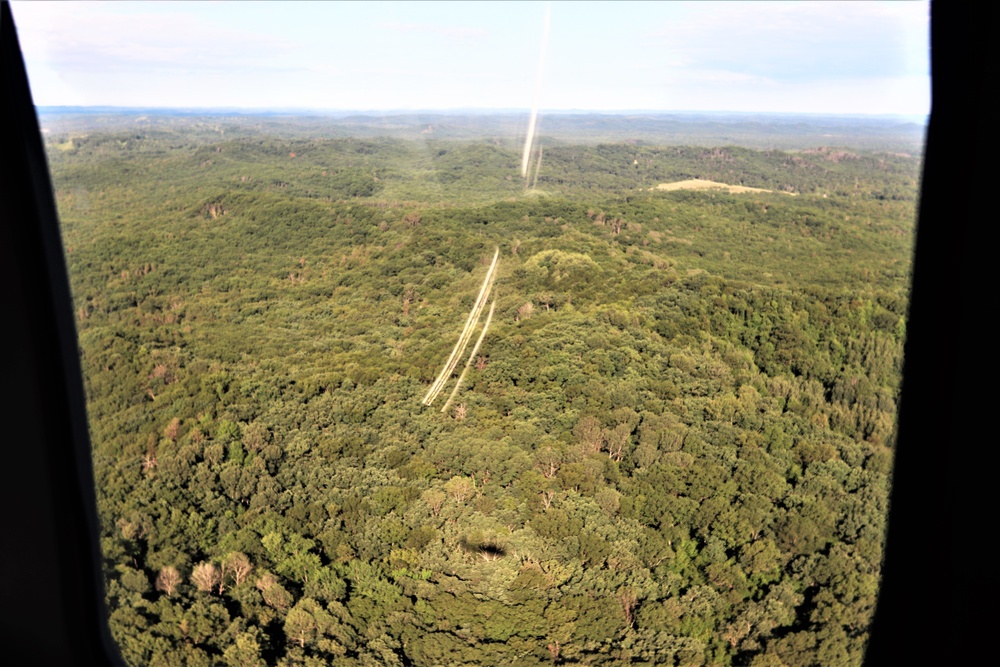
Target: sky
[[789, 57]]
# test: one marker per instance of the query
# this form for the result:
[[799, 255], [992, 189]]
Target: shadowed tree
[[245, 650], [274, 594]]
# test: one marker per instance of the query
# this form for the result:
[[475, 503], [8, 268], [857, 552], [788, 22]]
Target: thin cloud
[[450, 32], [799, 40], [79, 37], [783, 56]]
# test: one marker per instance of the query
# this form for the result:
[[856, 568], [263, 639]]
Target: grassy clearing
[[699, 184]]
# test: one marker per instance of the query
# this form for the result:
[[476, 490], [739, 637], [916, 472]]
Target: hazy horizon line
[[96, 108]]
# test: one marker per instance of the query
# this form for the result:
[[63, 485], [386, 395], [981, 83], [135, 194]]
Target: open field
[[699, 184]]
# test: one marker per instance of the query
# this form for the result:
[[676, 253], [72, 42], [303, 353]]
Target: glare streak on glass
[[463, 339], [472, 355], [538, 94]]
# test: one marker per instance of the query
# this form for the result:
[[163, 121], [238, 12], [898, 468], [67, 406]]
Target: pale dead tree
[[238, 566], [300, 626], [215, 210], [735, 632], [149, 462], [435, 500], [547, 498], [408, 297], [615, 440], [172, 429], [628, 601], [488, 555], [524, 312], [205, 576], [588, 430], [480, 362], [460, 488], [460, 412], [411, 219], [168, 580], [549, 461], [129, 529], [616, 225], [554, 649]]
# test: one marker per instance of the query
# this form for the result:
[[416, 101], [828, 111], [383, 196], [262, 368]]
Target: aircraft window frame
[[50, 260]]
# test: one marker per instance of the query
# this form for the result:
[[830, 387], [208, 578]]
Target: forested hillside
[[673, 447], [752, 130]]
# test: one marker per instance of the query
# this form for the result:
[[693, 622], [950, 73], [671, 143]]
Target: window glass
[[487, 333]]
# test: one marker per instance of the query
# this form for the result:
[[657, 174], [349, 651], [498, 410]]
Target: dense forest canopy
[[673, 446]]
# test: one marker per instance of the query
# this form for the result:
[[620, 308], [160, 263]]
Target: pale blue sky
[[825, 57]]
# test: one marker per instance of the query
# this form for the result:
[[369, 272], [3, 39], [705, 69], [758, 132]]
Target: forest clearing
[[699, 184]]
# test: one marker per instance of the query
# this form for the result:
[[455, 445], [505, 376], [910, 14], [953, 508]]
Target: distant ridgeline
[[670, 443], [758, 130]]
